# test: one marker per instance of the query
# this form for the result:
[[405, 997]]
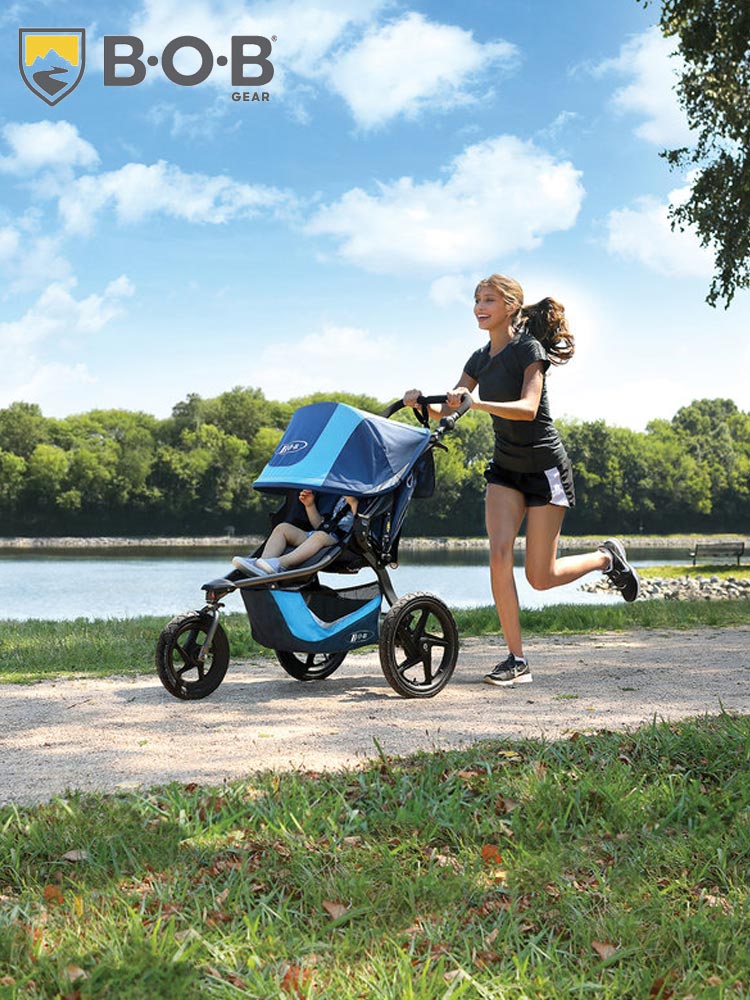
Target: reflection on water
[[74, 584]]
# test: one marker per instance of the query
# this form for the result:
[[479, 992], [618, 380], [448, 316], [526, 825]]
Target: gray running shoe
[[511, 671], [622, 575]]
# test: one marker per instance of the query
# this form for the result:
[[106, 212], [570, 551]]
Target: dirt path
[[128, 732]]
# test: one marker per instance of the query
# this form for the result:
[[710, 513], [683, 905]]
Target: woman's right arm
[[465, 382]]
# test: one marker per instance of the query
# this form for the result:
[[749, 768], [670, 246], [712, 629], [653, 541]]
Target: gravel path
[[128, 732]]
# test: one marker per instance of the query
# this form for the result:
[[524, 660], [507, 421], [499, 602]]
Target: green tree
[[713, 38], [12, 469], [22, 428]]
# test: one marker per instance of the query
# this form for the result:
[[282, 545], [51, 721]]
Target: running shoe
[[621, 574], [511, 671]]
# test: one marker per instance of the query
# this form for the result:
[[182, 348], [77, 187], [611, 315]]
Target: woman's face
[[491, 309]]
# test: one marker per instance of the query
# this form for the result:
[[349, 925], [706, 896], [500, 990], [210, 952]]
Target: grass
[[35, 650], [609, 866], [702, 569]]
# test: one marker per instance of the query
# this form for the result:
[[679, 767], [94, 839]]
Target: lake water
[[81, 584]]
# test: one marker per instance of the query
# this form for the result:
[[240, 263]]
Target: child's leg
[[543, 569], [282, 536], [307, 549]]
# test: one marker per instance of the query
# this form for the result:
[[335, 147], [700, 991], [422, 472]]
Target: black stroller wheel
[[310, 666], [418, 646], [181, 671]]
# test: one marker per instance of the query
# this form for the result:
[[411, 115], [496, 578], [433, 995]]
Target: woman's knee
[[501, 556], [539, 579]]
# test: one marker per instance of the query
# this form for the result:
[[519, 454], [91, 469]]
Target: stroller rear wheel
[[418, 646], [310, 666], [180, 668]]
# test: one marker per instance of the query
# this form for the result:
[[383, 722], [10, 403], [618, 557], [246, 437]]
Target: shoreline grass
[[610, 865], [36, 650]]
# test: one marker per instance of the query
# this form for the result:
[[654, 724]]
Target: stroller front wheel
[[181, 670], [418, 646], [310, 666]]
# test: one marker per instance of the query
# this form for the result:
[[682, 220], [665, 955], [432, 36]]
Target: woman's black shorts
[[553, 486]]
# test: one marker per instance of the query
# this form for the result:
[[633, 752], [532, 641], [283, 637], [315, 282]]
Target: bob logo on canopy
[[51, 61], [291, 447]]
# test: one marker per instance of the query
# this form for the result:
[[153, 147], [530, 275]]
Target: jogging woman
[[530, 474]]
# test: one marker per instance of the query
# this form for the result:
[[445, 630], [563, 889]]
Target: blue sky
[[159, 240]]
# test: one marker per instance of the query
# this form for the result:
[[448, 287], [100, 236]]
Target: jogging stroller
[[334, 450]]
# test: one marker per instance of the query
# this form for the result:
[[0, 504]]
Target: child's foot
[[512, 670], [269, 566], [249, 566], [620, 572]]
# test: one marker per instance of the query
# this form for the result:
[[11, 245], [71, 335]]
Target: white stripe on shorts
[[556, 491]]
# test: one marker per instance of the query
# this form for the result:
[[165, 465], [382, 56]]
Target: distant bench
[[718, 550]]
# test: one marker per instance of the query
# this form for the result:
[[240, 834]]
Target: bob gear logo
[[292, 447], [52, 61]]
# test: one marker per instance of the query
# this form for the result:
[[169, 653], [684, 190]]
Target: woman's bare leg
[[504, 513], [543, 569]]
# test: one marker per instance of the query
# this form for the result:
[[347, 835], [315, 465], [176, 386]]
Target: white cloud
[[10, 241], [499, 196], [643, 233], [138, 190], [45, 145], [380, 69], [306, 30], [453, 289], [55, 386], [58, 313], [653, 70], [336, 358], [412, 64]]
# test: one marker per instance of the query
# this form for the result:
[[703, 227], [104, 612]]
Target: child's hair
[[544, 320]]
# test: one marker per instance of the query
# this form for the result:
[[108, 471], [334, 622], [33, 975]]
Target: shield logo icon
[[51, 61]]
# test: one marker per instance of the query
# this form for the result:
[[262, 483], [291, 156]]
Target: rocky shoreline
[[241, 542], [682, 588]]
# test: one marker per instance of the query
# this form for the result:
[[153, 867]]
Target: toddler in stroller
[[304, 544], [335, 451]]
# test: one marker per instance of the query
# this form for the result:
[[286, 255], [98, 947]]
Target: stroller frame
[[311, 627]]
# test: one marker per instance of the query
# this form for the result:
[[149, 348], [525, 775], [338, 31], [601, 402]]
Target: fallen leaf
[[335, 910], [505, 805], [604, 949], [491, 854], [659, 990], [78, 855], [74, 972], [53, 894], [297, 980]]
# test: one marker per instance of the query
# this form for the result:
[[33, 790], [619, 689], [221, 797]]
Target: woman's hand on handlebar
[[410, 398], [454, 397]]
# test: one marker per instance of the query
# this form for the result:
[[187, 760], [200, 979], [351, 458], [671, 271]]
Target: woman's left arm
[[524, 408]]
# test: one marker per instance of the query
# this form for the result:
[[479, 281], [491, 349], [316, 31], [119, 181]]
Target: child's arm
[[307, 499], [353, 503]]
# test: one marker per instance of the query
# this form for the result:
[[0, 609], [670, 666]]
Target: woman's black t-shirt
[[520, 445]]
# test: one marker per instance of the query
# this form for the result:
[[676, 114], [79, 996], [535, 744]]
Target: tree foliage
[[122, 472], [713, 38]]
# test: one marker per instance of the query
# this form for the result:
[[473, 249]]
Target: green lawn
[[607, 866], [33, 650]]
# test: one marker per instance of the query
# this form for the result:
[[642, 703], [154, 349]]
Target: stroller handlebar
[[447, 422]]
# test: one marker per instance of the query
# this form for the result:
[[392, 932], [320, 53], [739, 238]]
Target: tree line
[[119, 472]]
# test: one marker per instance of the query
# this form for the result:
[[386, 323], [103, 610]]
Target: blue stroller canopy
[[335, 448]]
